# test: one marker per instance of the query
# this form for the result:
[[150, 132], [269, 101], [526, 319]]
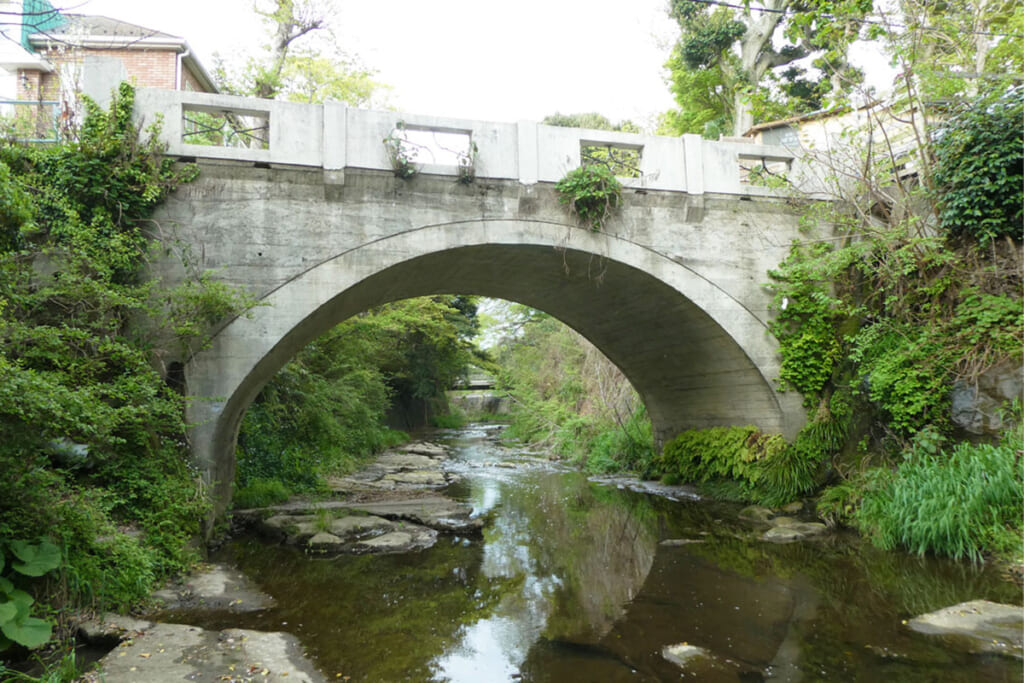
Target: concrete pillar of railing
[[150, 104], [335, 140], [528, 163], [693, 157]]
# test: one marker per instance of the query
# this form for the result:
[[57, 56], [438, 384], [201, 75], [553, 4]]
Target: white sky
[[468, 59]]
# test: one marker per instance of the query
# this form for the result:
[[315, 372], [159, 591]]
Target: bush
[[960, 505], [699, 456], [979, 170], [93, 447], [591, 192]]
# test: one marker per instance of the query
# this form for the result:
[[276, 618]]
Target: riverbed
[[578, 580]]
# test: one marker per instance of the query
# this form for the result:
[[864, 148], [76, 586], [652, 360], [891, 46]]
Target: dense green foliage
[[17, 625], [959, 503], [327, 410], [734, 65], [93, 438], [980, 169], [568, 397], [591, 193], [922, 290], [740, 463]]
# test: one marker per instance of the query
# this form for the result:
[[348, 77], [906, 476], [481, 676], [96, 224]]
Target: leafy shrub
[[622, 448], [746, 464], [838, 504], [703, 455], [806, 319], [76, 365], [591, 193], [979, 171], [17, 625], [957, 504]]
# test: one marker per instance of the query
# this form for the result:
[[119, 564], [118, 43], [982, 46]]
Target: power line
[[871, 22]]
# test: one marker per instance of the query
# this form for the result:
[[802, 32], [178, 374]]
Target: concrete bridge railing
[[334, 137]]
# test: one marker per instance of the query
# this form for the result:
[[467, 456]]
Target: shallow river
[[571, 581]]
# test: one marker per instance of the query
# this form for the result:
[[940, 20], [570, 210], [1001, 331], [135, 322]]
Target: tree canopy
[[302, 61], [734, 64]]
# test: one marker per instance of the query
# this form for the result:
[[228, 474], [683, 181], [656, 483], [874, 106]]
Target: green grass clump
[[261, 493], [960, 504], [450, 421]]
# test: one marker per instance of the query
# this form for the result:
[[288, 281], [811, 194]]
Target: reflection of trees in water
[[373, 617], [598, 546]]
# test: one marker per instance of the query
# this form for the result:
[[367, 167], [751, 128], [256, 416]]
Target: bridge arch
[[697, 356]]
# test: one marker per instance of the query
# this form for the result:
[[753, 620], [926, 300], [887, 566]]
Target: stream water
[[572, 581]]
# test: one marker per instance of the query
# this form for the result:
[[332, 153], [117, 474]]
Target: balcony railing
[[30, 120]]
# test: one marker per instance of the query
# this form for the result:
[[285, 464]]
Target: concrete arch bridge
[[309, 216]]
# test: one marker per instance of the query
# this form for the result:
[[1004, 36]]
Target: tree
[[949, 52], [296, 65], [289, 20], [727, 66], [591, 120], [313, 78]]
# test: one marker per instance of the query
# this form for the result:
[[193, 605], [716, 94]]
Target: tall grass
[[960, 504]]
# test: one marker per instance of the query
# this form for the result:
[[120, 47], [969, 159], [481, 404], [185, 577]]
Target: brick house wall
[[146, 68]]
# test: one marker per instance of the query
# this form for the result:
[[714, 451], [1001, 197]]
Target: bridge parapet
[[334, 137]]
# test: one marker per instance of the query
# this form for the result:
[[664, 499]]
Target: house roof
[[810, 116], [98, 32], [800, 118], [89, 29]]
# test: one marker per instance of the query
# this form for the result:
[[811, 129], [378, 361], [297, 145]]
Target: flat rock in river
[[418, 478], [350, 533], [173, 652], [413, 466], [432, 450], [215, 587], [406, 461], [977, 626], [436, 512], [410, 538], [789, 529]]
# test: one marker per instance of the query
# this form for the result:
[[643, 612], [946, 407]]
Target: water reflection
[[569, 584], [573, 587]]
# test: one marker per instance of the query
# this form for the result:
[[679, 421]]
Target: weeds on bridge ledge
[[466, 165], [401, 152], [591, 193]]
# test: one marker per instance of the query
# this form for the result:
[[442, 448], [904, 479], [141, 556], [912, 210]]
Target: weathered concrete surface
[[215, 587], [162, 653], [977, 626], [111, 629], [671, 289]]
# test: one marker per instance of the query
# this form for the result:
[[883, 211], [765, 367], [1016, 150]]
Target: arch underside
[[697, 357]]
